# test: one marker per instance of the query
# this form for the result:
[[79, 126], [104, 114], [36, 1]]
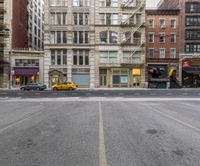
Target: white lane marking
[[179, 121], [20, 121], [102, 152]]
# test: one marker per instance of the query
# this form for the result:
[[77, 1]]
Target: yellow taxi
[[65, 86]]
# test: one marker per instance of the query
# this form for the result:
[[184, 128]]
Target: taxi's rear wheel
[[70, 89], [55, 89]]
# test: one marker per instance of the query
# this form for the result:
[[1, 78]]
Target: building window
[[109, 3], [81, 57], [192, 7], [64, 57], [192, 21], [151, 37], [173, 38], [192, 35], [162, 38], [192, 47], [27, 62], [80, 3], [57, 2], [81, 18], [108, 57], [172, 53], [108, 37], [58, 57], [151, 23], [108, 19], [162, 52], [53, 61], [162, 23], [58, 37], [173, 23], [151, 52], [81, 37], [58, 18]]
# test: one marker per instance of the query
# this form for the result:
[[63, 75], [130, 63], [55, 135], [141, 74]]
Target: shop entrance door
[[136, 81], [103, 80]]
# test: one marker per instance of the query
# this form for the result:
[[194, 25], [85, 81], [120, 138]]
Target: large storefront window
[[191, 73], [120, 77]]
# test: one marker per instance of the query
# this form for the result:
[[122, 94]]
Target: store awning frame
[[21, 71]]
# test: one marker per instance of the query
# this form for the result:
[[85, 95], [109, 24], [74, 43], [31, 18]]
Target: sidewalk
[[113, 89]]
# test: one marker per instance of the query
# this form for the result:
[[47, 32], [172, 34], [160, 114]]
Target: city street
[[101, 130]]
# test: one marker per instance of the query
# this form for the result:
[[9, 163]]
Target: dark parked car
[[34, 86]]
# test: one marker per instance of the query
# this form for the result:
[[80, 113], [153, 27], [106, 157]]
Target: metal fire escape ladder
[[134, 31], [127, 3], [142, 5]]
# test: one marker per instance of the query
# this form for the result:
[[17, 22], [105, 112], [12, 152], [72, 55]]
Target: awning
[[192, 70], [25, 71]]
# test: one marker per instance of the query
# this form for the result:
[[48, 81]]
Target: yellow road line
[[102, 152], [179, 121]]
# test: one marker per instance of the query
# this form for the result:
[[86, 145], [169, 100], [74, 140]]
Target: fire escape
[[135, 24]]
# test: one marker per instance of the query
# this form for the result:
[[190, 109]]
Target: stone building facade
[[95, 43], [5, 40], [120, 43], [70, 42]]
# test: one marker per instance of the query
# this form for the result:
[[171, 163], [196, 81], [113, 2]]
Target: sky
[[151, 3]]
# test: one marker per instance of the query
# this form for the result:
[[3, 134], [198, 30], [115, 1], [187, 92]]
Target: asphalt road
[[128, 93], [105, 131]]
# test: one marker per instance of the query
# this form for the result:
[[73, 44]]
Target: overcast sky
[[151, 3]]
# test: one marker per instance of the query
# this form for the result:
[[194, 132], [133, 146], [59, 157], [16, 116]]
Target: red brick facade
[[20, 24], [163, 52]]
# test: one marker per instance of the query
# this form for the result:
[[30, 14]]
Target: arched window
[[108, 37], [103, 37], [127, 37], [137, 38], [112, 37]]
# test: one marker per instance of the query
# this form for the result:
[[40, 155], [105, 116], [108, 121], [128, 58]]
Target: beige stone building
[[120, 41], [95, 43], [5, 38]]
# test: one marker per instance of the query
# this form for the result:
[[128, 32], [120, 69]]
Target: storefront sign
[[123, 79], [186, 63], [196, 55], [136, 72]]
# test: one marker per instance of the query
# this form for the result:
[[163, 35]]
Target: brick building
[[190, 43], [19, 24], [162, 48]]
